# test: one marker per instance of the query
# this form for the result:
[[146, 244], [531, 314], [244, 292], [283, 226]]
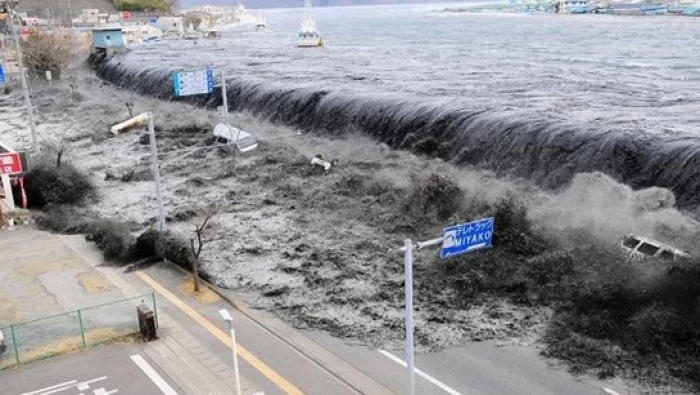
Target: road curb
[[321, 357]]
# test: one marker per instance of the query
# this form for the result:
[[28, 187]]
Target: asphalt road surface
[[118, 368]]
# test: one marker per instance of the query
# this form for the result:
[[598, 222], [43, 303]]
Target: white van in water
[[640, 247]]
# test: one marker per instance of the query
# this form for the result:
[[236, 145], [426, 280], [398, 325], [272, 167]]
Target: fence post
[[14, 343], [82, 330], [155, 308]]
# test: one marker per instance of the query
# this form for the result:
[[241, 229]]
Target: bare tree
[[198, 240], [52, 53], [59, 153]]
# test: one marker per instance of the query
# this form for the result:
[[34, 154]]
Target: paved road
[[281, 360], [478, 369], [285, 361], [98, 371]]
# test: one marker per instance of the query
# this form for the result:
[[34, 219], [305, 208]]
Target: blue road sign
[[463, 238], [186, 83], [2, 75]]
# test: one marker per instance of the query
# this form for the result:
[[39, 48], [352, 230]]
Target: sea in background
[[544, 95]]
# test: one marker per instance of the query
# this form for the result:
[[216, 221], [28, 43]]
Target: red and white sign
[[10, 163], [126, 15]]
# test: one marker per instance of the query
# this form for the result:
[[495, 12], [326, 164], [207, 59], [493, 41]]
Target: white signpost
[[456, 240]]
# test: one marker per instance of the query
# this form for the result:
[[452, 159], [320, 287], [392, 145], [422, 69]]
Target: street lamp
[[9, 6], [228, 318]]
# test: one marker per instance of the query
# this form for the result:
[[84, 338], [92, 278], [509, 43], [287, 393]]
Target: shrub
[[63, 219], [42, 53], [167, 245], [113, 238], [46, 183]]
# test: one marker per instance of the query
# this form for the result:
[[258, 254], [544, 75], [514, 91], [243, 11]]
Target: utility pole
[[408, 285], [70, 12], [23, 78], [156, 172], [4, 51]]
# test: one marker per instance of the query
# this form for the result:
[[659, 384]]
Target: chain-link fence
[[70, 331]]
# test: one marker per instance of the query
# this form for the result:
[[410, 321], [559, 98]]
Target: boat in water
[[261, 23], [308, 36]]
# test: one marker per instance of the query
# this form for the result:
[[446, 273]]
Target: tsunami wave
[[549, 153]]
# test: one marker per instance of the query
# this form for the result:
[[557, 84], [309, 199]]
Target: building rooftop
[[106, 29]]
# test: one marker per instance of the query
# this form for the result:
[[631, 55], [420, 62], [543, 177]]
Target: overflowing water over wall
[[547, 152]]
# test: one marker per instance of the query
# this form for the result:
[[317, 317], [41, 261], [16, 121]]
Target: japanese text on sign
[[10, 163], [471, 236], [186, 83]]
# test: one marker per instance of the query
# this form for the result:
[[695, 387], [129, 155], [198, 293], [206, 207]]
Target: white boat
[[261, 23], [308, 36]]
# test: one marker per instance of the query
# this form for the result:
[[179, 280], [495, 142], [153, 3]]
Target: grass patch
[[68, 345]]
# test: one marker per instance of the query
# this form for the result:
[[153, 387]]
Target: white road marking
[[421, 373], [67, 385], [609, 391], [51, 387], [153, 375]]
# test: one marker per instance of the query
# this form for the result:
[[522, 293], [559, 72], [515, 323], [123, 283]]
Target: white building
[[171, 25], [90, 16], [214, 11]]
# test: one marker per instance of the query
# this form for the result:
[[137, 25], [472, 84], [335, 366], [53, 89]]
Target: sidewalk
[[180, 355], [52, 274]]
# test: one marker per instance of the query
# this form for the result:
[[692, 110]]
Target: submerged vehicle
[[308, 36], [232, 135], [640, 247]]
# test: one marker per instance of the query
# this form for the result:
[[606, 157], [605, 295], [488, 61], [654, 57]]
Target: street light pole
[[23, 79], [408, 283], [408, 289], [228, 318], [156, 171]]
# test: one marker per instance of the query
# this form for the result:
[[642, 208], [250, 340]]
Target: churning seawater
[[541, 96]]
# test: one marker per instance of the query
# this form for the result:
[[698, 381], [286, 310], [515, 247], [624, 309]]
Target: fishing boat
[[308, 36], [261, 23]]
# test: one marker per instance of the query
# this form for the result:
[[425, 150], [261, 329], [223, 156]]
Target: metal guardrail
[[73, 330]]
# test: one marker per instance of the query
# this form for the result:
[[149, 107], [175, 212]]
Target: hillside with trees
[[143, 5]]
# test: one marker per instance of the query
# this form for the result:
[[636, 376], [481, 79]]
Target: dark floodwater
[[542, 97]]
